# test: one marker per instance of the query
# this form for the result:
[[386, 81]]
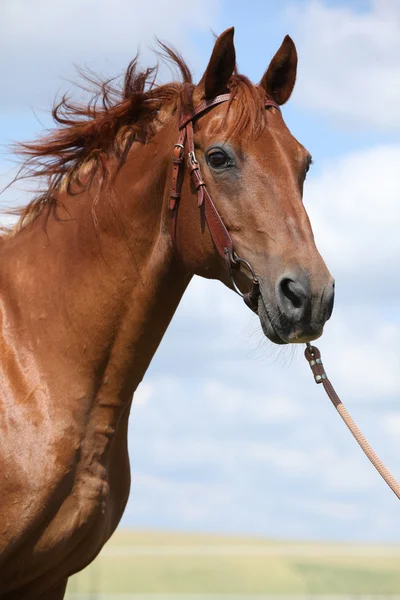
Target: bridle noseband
[[219, 233]]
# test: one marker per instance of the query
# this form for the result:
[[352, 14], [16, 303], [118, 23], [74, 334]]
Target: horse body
[[87, 290]]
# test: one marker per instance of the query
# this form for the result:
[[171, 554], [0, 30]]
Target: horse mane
[[87, 136]]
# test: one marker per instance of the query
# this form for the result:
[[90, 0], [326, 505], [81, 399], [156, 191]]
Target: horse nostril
[[293, 292]]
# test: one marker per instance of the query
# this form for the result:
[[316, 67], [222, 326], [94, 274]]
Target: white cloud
[[342, 511], [254, 480], [391, 424], [43, 39], [354, 208], [229, 402], [361, 353], [350, 60], [143, 394]]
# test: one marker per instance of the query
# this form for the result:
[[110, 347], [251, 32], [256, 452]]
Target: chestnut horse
[[93, 272]]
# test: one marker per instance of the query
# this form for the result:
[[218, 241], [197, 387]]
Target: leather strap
[[219, 233], [207, 104], [177, 161], [202, 108]]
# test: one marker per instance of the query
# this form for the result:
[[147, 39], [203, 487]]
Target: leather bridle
[[219, 233]]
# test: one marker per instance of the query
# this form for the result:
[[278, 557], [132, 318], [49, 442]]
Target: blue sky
[[229, 433]]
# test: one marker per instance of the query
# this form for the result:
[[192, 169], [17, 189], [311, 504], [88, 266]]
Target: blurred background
[[244, 479]]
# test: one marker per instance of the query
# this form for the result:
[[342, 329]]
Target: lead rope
[[313, 356]]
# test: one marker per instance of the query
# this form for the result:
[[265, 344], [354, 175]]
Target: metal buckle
[[192, 160], [182, 150]]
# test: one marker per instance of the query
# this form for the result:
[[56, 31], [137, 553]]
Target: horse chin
[[267, 325], [294, 337]]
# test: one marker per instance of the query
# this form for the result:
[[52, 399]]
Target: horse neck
[[98, 293]]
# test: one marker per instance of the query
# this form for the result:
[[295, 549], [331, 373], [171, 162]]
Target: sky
[[228, 432]]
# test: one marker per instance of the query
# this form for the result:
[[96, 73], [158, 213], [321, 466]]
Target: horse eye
[[218, 159], [308, 165]]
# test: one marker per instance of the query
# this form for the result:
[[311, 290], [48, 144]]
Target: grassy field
[[141, 563]]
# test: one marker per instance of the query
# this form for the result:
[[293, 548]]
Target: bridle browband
[[219, 233]]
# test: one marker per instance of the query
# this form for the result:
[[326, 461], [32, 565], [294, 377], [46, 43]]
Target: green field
[[142, 563]]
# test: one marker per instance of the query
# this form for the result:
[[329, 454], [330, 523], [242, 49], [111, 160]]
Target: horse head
[[253, 171]]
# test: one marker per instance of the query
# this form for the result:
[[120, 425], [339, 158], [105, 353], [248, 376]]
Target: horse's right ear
[[220, 68]]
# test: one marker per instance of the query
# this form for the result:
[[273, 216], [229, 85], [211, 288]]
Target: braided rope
[[313, 357]]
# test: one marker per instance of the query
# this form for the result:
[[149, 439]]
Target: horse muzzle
[[293, 310]]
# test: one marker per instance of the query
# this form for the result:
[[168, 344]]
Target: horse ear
[[221, 66], [279, 79]]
